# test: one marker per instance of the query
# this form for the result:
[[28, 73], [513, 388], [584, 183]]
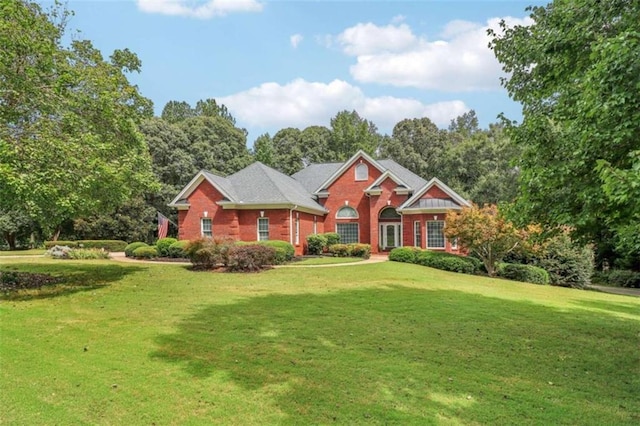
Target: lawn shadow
[[404, 355], [611, 307], [74, 277]]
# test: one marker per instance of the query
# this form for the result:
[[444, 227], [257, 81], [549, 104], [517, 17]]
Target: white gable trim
[[387, 174], [435, 182], [345, 166], [191, 186]]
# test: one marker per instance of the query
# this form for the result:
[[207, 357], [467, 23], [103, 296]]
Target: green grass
[[30, 252], [326, 260], [383, 343]]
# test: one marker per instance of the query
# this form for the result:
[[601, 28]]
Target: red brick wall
[[346, 188], [203, 199], [435, 192], [407, 229], [379, 202], [278, 224]]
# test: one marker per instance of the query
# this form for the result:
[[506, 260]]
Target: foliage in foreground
[[66, 252]]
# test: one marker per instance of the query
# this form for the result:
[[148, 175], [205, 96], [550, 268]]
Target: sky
[[278, 64]]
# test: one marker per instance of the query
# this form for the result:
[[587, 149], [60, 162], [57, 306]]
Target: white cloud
[[300, 104], [202, 10], [398, 19], [392, 54], [295, 40]]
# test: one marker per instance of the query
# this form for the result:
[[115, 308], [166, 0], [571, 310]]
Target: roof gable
[[345, 166], [415, 201], [220, 183]]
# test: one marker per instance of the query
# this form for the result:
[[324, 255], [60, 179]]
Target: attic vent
[[362, 172]]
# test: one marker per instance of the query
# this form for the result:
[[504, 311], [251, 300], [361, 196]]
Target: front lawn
[[30, 252], [326, 260], [384, 343]]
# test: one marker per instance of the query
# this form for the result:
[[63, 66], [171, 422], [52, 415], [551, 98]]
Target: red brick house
[[376, 202]]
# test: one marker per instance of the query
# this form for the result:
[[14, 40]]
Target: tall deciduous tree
[[69, 143], [350, 133], [576, 71]]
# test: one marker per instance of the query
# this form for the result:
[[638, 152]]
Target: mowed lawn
[[380, 343]]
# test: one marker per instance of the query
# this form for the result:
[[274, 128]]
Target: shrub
[[250, 258], [176, 250], [163, 245], [88, 253], [404, 254], [284, 250], [145, 252], [108, 245], [449, 263], [340, 250], [316, 243], [568, 264], [128, 250], [623, 278], [208, 253], [524, 273], [423, 257], [360, 250], [332, 238], [59, 252]]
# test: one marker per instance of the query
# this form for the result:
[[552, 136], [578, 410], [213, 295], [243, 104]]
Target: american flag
[[163, 225]]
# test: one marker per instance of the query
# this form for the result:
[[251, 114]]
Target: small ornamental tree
[[485, 233]]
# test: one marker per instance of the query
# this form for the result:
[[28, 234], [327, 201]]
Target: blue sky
[[278, 64]]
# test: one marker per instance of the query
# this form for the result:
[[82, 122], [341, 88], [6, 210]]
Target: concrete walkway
[[635, 292]]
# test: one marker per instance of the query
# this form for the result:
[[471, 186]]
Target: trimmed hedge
[[448, 263], [145, 252], [128, 250], [250, 258], [108, 245], [404, 254], [316, 243], [524, 273], [284, 250], [209, 253], [332, 238], [351, 250], [163, 245], [176, 250]]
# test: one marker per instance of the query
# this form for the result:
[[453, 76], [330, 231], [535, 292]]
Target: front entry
[[389, 235]]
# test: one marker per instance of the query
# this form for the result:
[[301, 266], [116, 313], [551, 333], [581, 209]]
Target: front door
[[390, 235]]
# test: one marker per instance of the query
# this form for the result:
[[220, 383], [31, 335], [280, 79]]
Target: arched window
[[347, 212], [389, 213], [362, 172]]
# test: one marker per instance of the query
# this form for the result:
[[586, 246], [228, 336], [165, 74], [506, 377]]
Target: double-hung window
[[263, 228], [417, 234], [206, 227]]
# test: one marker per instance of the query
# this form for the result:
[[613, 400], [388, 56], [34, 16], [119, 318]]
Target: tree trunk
[[11, 240]]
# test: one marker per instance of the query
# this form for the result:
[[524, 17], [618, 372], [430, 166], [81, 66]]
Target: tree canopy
[[576, 71], [69, 143]]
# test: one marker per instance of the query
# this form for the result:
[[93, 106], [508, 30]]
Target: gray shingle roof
[[434, 203], [259, 184], [222, 183], [414, 181], [314, 175]]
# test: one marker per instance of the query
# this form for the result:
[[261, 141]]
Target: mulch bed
[[14, 281]]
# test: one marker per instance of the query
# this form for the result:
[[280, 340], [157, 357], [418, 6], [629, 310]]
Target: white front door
[[390, 235]]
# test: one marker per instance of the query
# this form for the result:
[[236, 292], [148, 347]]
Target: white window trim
[[361, 166], [258, 228], [315, 224], [454, 244], [348, 223], [357, 216], [202, 219], [417, 228], [297, 230], [426, 228]]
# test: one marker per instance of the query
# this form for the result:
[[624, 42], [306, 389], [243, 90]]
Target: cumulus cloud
[[204, 10], [301, 103], [295, 40], [459, 61]]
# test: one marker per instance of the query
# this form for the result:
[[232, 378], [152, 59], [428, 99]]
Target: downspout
[[290, 225]]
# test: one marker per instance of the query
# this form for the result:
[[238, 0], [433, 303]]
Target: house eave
[[228, 205]]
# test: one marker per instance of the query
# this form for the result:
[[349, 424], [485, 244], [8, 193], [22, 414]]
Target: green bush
[[145, 252], [108, 245], [316, 243], [128, 250], [250, 257], [423, 257], [524, 273], [86, 254], [449, 263], [208, 253], [360, 250], [284, 250], [163, 245], [340, 250], [332, 238], [404, 254], [176, 250], [623, 278], [568, 264]]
